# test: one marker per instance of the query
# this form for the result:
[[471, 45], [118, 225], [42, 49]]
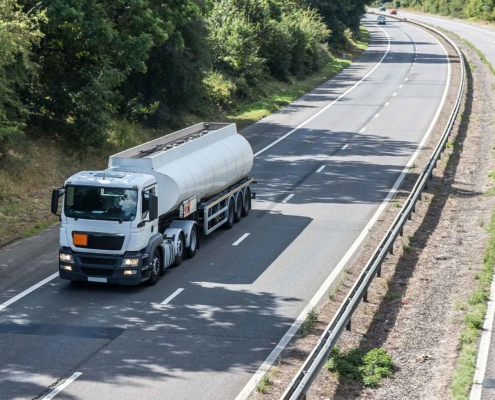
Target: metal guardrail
[[303, 380]]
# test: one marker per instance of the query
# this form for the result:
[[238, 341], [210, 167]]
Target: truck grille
[[100, 241], [97, 261], [97, 271]]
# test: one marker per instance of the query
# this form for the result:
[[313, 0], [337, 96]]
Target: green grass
[[475, 310], [394, 296], [280, 94], [369, 367], [36, 229], [264, 384], [310, 322]]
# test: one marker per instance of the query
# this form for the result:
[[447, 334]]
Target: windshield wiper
[[113, 219]]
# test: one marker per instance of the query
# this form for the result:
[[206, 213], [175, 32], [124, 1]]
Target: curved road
[[483, 37], [338, 153]]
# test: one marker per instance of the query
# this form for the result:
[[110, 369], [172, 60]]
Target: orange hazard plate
[[79, 239]]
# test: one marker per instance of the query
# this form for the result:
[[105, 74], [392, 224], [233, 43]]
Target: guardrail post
[[379, 272], [401, 232], [348, 326], [365, 297], [420, 197]]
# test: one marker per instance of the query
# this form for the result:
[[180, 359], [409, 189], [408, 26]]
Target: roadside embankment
[[36, 165]]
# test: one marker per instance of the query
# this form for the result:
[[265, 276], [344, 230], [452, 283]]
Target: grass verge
[[281, 94], [475, 310], [475, 307], [37, 165]]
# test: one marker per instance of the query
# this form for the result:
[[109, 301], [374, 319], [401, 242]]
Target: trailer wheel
[[238, 208], [155, 266], [230, 215], [181, 247], [247, 203], [193, 243]]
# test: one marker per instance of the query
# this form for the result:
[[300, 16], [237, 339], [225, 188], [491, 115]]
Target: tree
[[18, 32], [89, 50]]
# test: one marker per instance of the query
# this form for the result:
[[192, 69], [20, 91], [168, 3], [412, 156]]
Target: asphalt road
[[238, 301], [483, 37]]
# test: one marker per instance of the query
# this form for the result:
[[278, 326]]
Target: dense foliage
[[18, 32], [70, 68], [482, 9]]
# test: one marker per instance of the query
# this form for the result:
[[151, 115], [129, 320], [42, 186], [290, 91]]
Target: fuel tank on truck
[[202, 160]]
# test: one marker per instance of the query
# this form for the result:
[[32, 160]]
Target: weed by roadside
[[370, 367], [264, 384], [310, 322]]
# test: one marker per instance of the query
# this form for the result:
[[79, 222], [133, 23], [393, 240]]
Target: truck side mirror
[[153, 204], [55, 195]]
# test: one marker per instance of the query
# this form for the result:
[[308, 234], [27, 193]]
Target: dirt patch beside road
[[413, 310]]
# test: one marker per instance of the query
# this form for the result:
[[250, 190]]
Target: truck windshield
[[111, 204]]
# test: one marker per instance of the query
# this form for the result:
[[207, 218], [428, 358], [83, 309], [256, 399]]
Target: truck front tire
[[155, 268]]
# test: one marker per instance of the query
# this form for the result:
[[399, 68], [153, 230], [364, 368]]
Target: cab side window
[[146, 201]]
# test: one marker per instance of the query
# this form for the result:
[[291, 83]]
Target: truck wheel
[[155, 267], [238, 208], [181, 247], [193, 243], [230, 215], [247, 203]]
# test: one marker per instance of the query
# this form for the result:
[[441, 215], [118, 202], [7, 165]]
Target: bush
[[219, 89], [369, 367]]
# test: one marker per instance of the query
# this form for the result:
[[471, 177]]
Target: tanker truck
[[128, 223]]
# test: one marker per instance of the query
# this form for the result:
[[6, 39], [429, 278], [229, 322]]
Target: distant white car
[[381, 20]]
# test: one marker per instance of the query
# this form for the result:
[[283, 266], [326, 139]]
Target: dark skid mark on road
[[62, 330]]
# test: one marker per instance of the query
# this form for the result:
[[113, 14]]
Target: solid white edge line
[[58, 389], [171, 297], [27, 291], [290, 196], [332, 103], [345, 147], [321, 168], [240, 239], [263, 369], [484, 349]]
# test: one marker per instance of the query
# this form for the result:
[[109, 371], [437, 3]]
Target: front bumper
[[88, 267]]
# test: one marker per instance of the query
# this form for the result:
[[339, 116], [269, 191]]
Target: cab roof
[[111, 178]]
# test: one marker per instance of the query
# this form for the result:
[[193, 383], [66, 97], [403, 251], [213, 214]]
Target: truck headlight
[[66, 258], [130, 262]]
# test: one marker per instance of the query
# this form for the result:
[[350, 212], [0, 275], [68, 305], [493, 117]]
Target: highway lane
[[238, 301], [483, 37]]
